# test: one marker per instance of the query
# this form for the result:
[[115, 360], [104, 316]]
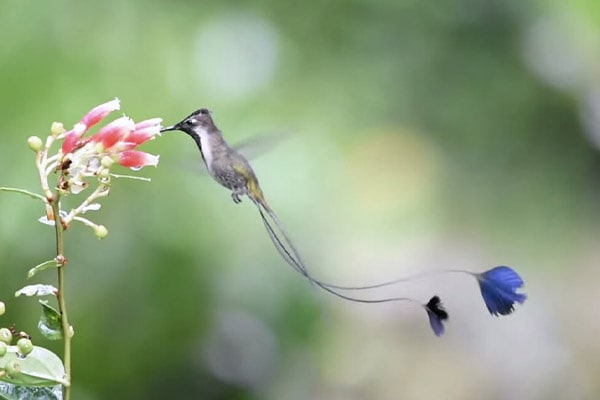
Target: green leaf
[[37, 290], [50, 323], [41, 367], [14, 392], [23, 191], [40, 267]]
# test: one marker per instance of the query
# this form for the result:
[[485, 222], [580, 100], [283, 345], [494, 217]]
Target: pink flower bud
[[98, 113], [114, 132], [137, 159]]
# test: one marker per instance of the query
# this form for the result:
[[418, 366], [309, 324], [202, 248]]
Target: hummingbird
[[232, 170]]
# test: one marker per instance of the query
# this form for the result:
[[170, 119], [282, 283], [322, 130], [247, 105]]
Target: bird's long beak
[[170, 128]]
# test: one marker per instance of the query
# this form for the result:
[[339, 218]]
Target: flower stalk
[[82, 160], [61, 296]]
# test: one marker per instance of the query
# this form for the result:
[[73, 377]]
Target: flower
[[84, 157], [98, 113], [90, 119], [499, 289], [145, 130], [123, 134], [137, 159], [71, 140], [437, 314], [113, 133]]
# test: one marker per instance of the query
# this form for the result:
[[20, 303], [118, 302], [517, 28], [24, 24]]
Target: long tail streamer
[[288, 251]]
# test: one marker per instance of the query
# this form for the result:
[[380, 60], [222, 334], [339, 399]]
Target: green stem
[[25, 192], [62, 304]]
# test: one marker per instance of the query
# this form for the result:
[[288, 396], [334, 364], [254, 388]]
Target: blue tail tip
[[500, 289]]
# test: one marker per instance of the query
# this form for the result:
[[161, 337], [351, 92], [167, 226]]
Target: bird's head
[[196, 123]]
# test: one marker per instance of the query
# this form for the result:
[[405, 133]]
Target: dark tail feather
[[291, 257]]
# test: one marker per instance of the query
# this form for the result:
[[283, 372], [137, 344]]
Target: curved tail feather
[[294, 260], [289, 253]]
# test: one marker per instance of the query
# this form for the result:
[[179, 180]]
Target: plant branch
[[101, 191], [41, 160], [22, 191], [62, 304]]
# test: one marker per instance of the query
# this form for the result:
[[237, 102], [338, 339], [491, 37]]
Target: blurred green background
[[418, 136]]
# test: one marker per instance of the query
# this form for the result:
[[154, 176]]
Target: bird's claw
[[236, 197]]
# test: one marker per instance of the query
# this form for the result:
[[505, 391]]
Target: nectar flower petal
[[114, 132], [70, 141], [137, 159], [144, 131], [437, 315], [73, 140], [499, 289], [152, 122], [80, 128], [98, 113]]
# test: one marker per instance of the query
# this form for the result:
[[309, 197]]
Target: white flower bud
[[107, 161], [100, 231], [57, 128], [104, 173], [99, 148], [35, 143]]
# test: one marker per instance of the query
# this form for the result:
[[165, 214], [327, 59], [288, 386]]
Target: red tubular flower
[[114, 133], [151, 123], [137, 159], [70, 141], [95, 115], [98, 113], [144, 131]]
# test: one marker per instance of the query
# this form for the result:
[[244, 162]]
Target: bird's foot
[[236, 197]]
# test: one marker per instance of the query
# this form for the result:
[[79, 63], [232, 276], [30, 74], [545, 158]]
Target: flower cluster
[[82, 158]]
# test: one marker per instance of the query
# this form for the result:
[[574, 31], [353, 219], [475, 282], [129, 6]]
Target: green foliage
[[42, 267], [40, 367], [14, 392], [50, 324], [36, 290]]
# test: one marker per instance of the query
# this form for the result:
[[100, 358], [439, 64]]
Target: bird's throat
[[208, 145]]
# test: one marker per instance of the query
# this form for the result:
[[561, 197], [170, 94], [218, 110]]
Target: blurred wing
[[250, 148], [256, 146]]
